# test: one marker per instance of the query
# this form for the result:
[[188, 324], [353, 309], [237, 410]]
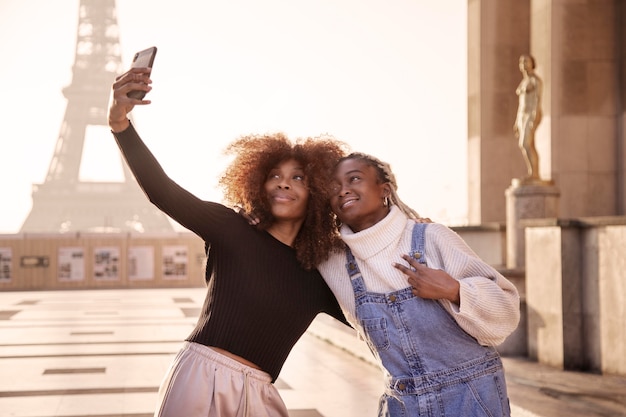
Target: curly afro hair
[[243, 186]]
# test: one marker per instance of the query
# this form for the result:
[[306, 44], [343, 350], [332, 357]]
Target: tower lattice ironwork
[[64, 203]]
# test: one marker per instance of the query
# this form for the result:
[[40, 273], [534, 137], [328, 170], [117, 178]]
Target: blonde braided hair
[[385, 175]]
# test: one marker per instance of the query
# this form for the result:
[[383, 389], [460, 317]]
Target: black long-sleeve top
[[259, 299]]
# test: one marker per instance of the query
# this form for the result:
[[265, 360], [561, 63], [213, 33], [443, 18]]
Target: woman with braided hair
[[430, 310]]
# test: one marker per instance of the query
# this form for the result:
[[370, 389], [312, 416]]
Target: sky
[[387, 77]]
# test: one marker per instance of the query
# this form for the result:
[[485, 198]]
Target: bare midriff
[[235, 357]]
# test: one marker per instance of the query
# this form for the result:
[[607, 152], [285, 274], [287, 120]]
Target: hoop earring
[[385, 201]]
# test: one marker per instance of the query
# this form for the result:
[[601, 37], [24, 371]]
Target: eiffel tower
[[64, 203]]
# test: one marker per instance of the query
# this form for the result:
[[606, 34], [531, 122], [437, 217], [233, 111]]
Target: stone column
[[576, 46], [554, 293], [498, 33], [526, 200]]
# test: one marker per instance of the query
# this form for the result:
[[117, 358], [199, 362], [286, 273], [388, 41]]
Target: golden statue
[[528, 116]]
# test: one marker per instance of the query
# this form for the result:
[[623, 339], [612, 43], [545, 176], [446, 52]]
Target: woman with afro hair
[[263, 290]]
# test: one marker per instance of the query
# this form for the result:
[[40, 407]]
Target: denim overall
[[432, 367]]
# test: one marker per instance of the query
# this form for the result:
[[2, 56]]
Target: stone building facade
[[580, 50]]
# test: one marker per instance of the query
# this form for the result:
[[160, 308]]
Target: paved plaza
[[103, 353]]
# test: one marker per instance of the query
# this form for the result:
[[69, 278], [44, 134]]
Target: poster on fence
[[5, 264], [71, 264], [175, 262], [140, 263], [106, 264]]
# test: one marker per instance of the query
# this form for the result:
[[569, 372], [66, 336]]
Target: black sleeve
[[188, 210], [334, 310]]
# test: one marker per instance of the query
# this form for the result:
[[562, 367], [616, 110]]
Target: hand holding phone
[[142, 59]]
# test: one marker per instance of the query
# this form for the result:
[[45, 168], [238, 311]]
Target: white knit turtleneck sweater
[[490, 305]]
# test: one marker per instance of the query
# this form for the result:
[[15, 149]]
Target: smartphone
[[143, 58]]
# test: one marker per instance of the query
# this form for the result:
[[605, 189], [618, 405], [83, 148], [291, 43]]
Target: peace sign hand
[[429, 283]]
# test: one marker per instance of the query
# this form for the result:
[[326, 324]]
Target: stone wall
[[111, 260], [575, 290]]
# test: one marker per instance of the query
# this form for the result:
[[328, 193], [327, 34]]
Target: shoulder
[[218, 217], [434, 230], [336, 259], [436, 235], [441, 235], [220, 208], [439, 228]]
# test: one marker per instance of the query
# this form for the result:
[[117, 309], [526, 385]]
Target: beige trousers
[[204, 383]]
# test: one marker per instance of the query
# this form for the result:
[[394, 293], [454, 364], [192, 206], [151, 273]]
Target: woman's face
[[287, 190], [357, 197], [525, 64]]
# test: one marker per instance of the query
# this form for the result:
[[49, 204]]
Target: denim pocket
[[391, 406], [376, 332], [481, 396]]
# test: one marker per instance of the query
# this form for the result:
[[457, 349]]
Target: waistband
[[214, 356], [434, 381]]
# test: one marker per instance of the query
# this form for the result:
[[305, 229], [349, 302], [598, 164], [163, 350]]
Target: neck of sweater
[[370, 241]]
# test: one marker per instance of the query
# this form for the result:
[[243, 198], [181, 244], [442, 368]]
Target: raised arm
[[163, 192]]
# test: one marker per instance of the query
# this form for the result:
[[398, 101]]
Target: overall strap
[[418, 245], [356, 279], [351, 265]]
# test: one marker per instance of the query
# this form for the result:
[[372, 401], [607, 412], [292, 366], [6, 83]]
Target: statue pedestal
[[526, 199]]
